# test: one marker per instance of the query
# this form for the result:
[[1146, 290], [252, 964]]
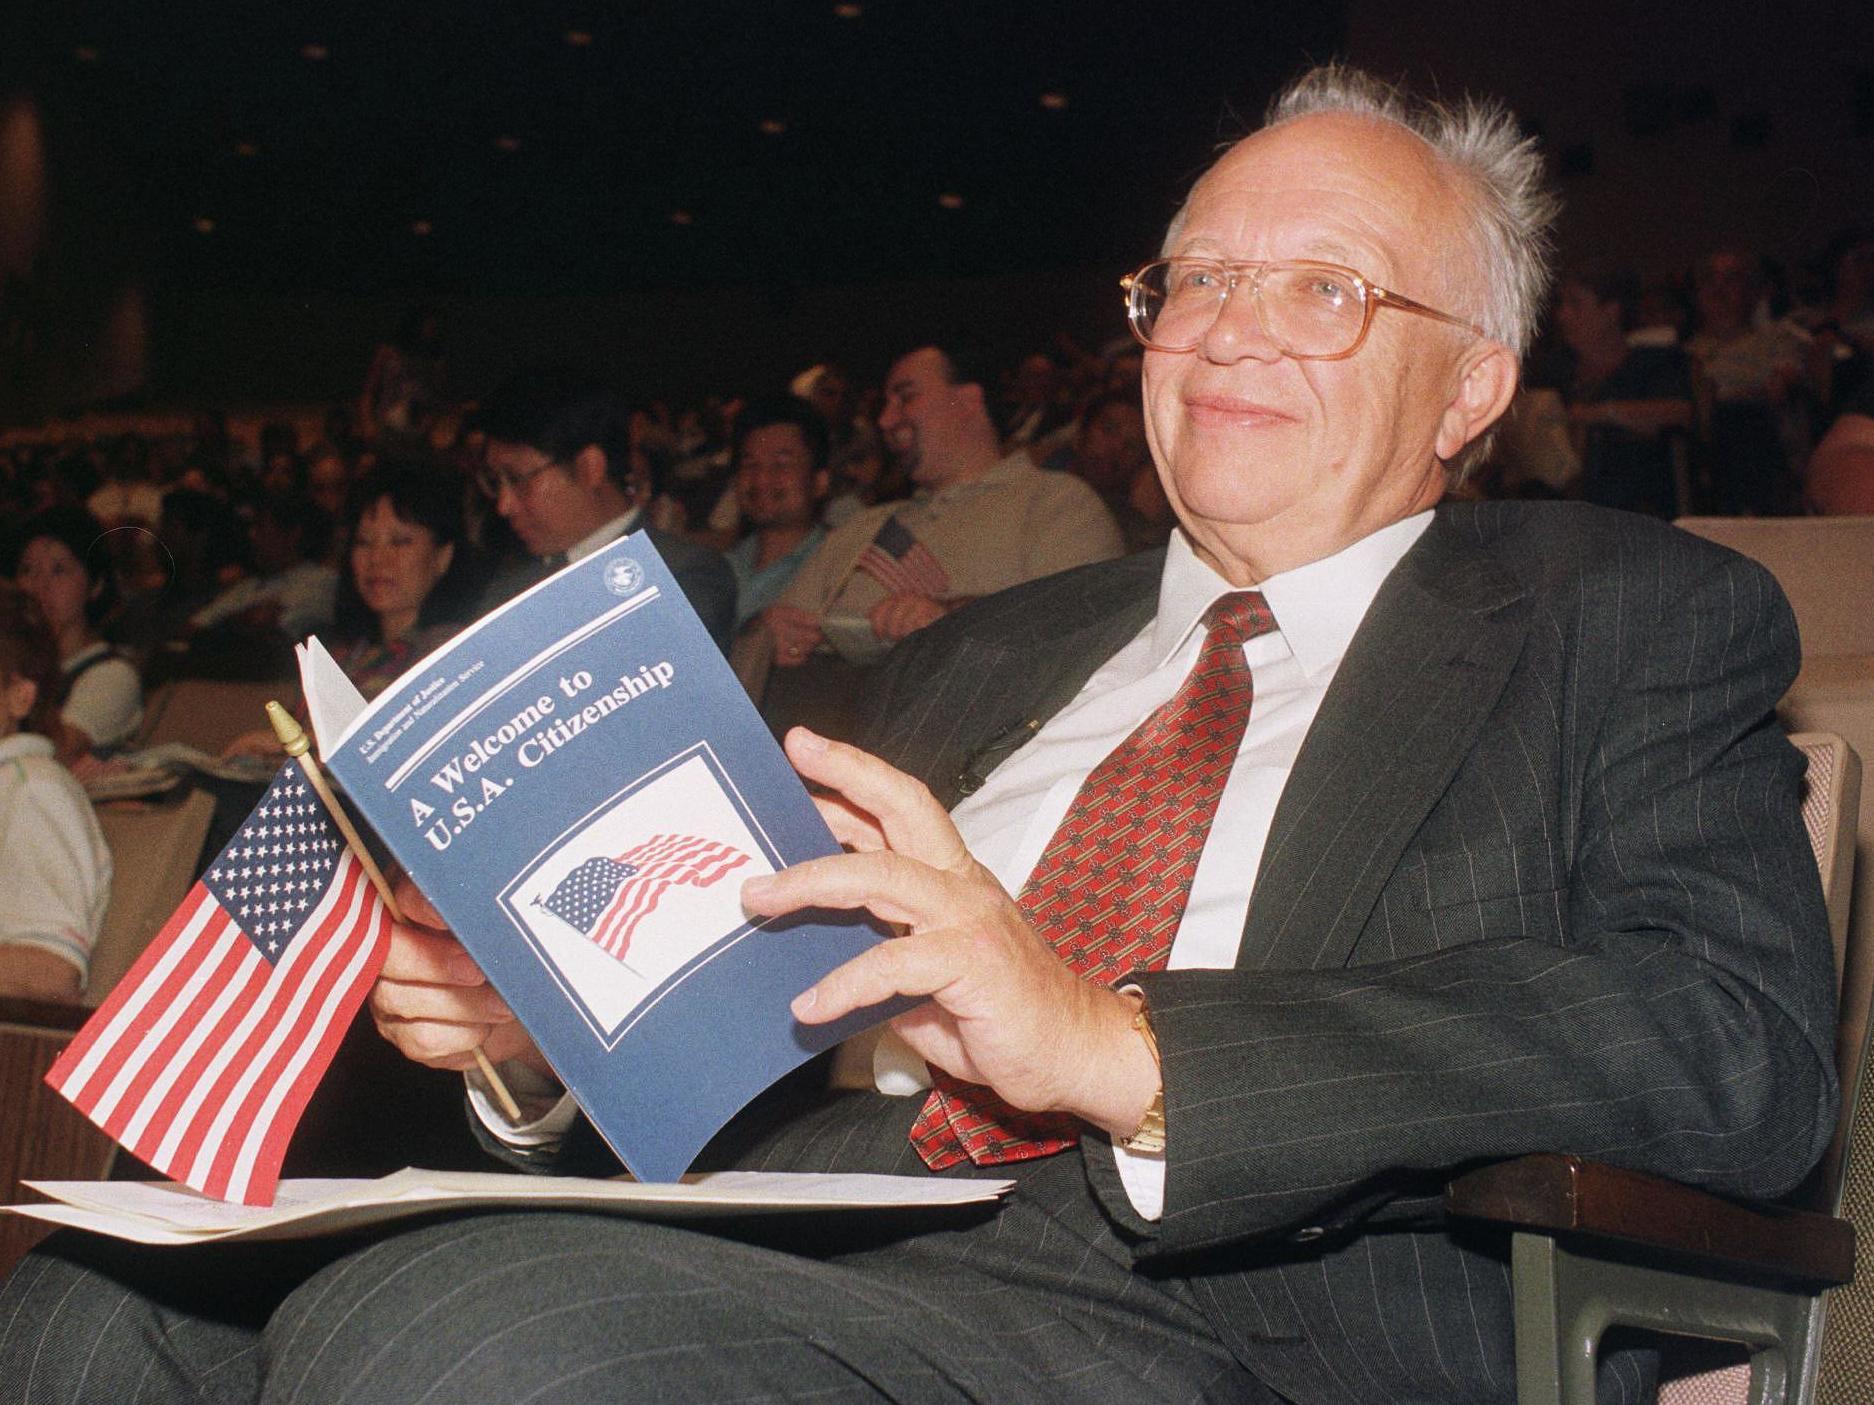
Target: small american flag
[[903, 564], [606, 899], [203, 1057]]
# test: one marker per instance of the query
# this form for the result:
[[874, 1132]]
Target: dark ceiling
[[455, 145]]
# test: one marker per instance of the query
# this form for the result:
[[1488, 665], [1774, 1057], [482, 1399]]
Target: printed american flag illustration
[[203, 1057], [902, 564], [607, 898]]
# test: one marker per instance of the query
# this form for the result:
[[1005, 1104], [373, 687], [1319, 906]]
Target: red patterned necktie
[[1110, 888]]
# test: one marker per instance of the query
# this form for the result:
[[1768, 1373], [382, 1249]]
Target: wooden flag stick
[[293, 737]]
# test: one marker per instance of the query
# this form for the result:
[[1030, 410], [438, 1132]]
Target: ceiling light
[[246, 148], [315, 53], [422, 228], [204, 225], [950, 200], [579, 38], [84, 53], [773, 126], [849, 12], [1054, 102], [682, 217], [507, 143]]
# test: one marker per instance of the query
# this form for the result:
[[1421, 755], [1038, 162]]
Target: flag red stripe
[[243, 979], [281, 985], [285, 1117], [214, 961], [356, 956], [698, 862], [176, 1097], [242, 1170], [108, 1036]]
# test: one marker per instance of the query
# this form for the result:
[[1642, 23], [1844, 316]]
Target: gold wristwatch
[[1149, 1135]]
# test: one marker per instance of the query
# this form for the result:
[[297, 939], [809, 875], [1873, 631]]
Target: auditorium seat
[[1595, 1247]]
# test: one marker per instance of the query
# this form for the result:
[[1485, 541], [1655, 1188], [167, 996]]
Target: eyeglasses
[[492, 480], [1312, 311]]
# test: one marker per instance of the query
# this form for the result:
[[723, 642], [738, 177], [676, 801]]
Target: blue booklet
[[580, 785]]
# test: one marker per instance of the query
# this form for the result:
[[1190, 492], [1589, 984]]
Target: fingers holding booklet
[[433, 1002]]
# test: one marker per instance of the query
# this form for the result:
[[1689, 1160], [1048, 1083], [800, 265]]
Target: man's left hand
[[898, 615], [1003, 1010]]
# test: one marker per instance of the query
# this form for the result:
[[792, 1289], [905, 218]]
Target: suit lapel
[[1015, 672], [1418, 681]]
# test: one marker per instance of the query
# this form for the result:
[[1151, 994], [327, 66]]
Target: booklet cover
[[580, 786]]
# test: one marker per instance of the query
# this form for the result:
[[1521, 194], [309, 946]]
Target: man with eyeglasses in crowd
[[1486, 843], [561, 469]]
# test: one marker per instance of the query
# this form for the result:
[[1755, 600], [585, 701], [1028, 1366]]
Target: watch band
[[1149, 1135]]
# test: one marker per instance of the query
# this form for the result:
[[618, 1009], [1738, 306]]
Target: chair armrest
[[48, 1015], [1568, 1195]]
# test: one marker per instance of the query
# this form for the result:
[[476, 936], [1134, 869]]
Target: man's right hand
[[432, 1001], [796, 633]]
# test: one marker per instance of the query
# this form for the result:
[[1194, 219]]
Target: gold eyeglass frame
[[1372, 297]]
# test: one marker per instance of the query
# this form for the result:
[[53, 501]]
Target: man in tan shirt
[[978, 523]]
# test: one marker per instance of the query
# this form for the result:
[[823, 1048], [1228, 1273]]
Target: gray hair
[[1479, 145]]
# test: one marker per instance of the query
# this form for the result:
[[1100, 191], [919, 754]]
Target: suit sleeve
[[1677, 1017]]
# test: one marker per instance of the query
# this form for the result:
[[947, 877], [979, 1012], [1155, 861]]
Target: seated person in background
[[1746, 373], [55, 871], [779, 454], [406, 587], [978, 523], [195, 554], [290, 592], [1840, 478], [561, 469], [97, 697], [1623, 401], [1109, 452]]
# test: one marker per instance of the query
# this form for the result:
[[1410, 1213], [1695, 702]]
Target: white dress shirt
[[1008, 822], [626, 521]]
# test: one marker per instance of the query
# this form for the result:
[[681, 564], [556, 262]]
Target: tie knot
[[1238, 617]]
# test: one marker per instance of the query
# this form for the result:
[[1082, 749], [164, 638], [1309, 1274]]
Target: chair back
[[1824, 564], [206, 713], [1831, 805], [153, 855], [1843, 1184], [1845, 1360]]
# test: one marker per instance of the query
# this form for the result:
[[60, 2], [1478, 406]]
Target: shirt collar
[[1317, 607], [604, 536], [1001, 471], [24, 744]]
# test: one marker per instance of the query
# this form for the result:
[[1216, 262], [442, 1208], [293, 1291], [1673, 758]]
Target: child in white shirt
[[55, 871]]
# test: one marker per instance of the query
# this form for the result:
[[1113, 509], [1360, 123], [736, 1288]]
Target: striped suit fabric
[[1537, 882]]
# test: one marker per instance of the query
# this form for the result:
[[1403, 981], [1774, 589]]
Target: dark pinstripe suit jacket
[[1538, 881]]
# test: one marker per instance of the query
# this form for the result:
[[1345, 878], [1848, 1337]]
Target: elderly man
[[1357, 839]]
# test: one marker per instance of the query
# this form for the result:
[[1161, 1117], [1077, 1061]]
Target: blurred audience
[[1749, 368], [1841, 471], [248, 630], [403, 389]]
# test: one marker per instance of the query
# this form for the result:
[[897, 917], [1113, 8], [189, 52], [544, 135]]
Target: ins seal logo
[[623, 576]]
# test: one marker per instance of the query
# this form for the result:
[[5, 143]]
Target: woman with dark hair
[[62, 561], [407, 588]]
